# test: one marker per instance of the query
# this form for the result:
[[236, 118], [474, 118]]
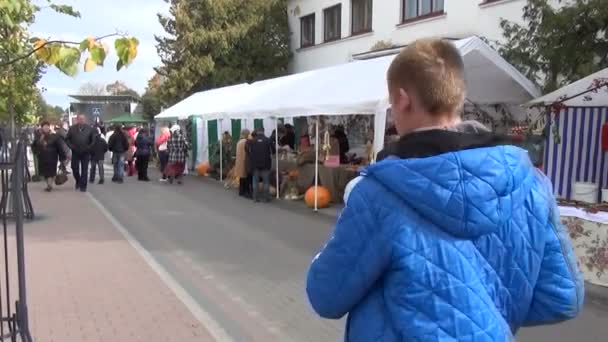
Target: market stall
[[360, 88], [576, 142], [356, 88]]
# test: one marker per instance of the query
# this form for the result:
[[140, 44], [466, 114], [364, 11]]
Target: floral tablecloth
[[589, 234]]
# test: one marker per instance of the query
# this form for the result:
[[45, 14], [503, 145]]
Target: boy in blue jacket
[[455, 236]]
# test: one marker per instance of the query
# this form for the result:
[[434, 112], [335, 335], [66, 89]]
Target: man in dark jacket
[[98, 155], [118, 145], [260, 159], [80, 140], [143, 145]]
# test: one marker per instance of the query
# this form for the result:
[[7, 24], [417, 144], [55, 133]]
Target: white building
[[329, 32]]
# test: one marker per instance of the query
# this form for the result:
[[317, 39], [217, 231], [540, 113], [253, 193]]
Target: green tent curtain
[[212, 141], [194, 122], [236, 132], [258, 123]]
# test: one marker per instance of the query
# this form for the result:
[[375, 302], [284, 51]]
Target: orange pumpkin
[[202, 169], [323, 197]]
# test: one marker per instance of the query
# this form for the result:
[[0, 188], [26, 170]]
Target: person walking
[[163, 154], [454, 235], [49, 150], [260, 151], [80, 139], [240, 166], [143, 145], [98, 156], [177, 146], [118, 145], [130, 133]]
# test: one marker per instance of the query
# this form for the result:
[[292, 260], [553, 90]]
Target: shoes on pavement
[[83, 189], [120, 181], [146, 179], [163, 180], [48, 188], [101, 181]]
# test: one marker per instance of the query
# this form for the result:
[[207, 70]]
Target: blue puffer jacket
[[458, 246]]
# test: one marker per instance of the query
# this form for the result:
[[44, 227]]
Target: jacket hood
[[467, 184]]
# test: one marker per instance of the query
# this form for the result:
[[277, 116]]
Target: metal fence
[[15, 207]]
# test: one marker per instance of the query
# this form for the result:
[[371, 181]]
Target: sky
[[135, 17]]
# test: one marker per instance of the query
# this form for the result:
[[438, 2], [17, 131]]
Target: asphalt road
[[245, 263]]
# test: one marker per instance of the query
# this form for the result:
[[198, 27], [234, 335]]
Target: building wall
[[462, 18]]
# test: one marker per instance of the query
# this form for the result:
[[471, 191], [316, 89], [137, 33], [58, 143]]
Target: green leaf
[[84, 45], [69, 58], [54, 54], [65, 9], [98, 54]]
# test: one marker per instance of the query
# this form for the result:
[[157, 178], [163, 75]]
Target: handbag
[[62, 176]]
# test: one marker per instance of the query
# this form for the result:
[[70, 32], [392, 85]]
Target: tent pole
[[276, 148], [317, 165], [221, 161]]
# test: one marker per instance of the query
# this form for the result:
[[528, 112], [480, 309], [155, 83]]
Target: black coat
[[118, 142], [80, 138], [259, 153], [49, 149], [100, 147]]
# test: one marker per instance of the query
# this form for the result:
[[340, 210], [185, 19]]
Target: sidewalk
[[86, 283]]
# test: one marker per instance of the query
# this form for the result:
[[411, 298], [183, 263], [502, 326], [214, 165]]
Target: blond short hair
[[433, 70]]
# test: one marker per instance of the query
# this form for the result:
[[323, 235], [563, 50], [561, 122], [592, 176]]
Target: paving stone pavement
[[86, 283]]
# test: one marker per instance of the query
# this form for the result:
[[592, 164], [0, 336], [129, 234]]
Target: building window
[[307, 31], [420, 9], [332, 23], [361, 16]]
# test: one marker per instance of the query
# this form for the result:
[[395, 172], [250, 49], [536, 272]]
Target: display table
[[589, 235], [334, 179]]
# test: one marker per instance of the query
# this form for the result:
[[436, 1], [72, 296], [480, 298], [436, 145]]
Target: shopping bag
[[62, 175]]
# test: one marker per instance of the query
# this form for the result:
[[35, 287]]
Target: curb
[[596, 294]]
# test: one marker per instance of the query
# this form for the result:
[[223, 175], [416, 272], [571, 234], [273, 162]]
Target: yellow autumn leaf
[[133, 49], [89, 65], [92, 41], [41, 51]]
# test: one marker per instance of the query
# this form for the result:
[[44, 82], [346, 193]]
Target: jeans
[[163, 157], [97, 164], [142, 167], [265, 176], [80, 169], [118, 160]]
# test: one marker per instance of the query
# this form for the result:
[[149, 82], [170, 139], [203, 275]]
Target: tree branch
[[16, 59]]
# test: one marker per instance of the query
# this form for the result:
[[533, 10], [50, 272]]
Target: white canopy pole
[[317, 165], [276, 148], [221, 161]]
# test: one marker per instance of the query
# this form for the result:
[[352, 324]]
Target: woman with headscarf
[[49, 150], [177, 146]]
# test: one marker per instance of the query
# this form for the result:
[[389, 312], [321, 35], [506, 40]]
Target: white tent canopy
[[599, 99], [360, 87], [188, 106]]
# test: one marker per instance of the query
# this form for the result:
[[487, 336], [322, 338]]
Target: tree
[[120, 88], [150, 100], [46, 112], [212, 44], [23, 58], [558, 45], [92, 88]]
